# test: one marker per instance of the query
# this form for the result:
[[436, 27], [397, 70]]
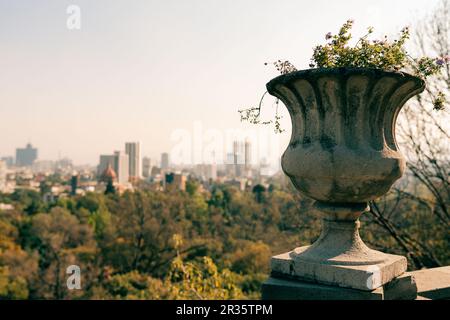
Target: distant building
[[170, 178], [26, 157], [109, 178], [206, 171], [238, 183], [105, 161], [264, 168], [119, 162], [176, 180], [43, 166], [229, 165], [108, 175], [239, 158], [248, 155], [238, 163], [238, 153], [165, 162], [121, 167], [8, 160], [146, 167], [155, 171], [211, 172], [132, 149], [3, 175], [64, 164]]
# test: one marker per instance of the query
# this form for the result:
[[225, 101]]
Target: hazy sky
[[138, 70]]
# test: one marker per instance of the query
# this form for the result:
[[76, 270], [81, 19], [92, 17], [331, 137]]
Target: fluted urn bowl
[[343, 147]]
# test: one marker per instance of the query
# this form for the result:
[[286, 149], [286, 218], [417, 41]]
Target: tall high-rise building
[[165, 162], [239, 158], [133, 150], [146, 167], [248, 155], [229, 164], [238, 152], [26, 157], [121, 166]]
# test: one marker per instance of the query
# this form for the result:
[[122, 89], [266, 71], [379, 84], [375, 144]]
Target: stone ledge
[[433, 284], [429, 284], [403, 288], [360, 277], [280, 289]]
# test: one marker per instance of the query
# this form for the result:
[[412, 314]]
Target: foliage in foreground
[[174, 245]]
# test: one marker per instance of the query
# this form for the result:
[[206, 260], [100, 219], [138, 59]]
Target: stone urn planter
[[343, 153]]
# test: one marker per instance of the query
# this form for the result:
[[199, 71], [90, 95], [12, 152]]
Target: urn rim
[[341, 72], [343, 146]]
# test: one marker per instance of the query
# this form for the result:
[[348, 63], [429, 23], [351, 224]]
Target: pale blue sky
[[137, 70]]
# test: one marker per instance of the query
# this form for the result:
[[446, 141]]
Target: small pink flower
[[446, 58]]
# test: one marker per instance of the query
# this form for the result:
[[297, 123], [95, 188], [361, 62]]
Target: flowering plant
[[374, 54]]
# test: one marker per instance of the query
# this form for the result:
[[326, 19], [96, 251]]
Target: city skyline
[[123, 75], [240, 151], [120, 171]]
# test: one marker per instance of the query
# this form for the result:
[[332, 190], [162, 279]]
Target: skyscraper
[[229, 164], [146, 167], [26, 157], [239, 158], [133, 150], [165, 161], [238, 152], [248, 154], [121, 167]]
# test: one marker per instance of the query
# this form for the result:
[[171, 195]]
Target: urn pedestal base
[[361, 277], [339, 257]]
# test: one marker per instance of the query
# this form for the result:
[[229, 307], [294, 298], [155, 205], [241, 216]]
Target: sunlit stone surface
[[343, 154]]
